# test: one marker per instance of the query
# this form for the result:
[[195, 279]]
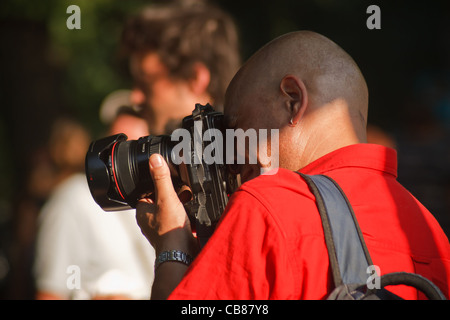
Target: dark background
[[47, 70]]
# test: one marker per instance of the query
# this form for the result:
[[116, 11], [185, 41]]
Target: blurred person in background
[[45, 171], [377, 135], [83, 252], [117, 113], [180, 54]]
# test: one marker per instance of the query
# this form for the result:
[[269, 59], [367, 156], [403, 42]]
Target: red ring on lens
[[114, 171]]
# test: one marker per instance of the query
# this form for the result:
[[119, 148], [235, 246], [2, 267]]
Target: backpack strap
[[348, 254]]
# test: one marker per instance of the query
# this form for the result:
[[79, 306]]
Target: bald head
[[327, 71], [308, 80]]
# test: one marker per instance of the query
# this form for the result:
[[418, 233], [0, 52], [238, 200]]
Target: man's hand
[[165, 224]]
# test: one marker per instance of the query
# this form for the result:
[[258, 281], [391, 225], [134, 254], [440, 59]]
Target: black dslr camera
[[118, 174]]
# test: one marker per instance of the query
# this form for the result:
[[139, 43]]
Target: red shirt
[[270, 243]]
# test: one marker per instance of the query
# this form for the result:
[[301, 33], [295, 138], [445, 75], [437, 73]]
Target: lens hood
[[99, 176]]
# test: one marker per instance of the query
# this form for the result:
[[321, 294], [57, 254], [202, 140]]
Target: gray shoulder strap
[[349, 257]]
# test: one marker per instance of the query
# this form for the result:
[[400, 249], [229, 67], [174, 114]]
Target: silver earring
[[291, 123]]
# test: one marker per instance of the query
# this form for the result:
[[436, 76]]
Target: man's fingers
[[146, 205], [145, 216], [164, 222], [161, 178]]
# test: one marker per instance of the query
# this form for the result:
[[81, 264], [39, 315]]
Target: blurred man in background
[[180, 55]]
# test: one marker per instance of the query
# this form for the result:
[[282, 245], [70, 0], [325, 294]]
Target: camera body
[[118, 173]]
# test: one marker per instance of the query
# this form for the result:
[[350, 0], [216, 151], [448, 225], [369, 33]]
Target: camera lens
[[130, 165], [118, 172]]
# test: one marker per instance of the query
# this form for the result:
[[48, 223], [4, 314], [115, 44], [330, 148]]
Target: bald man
[[270, 242]]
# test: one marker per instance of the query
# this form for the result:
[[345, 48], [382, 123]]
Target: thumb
[[162, 180]]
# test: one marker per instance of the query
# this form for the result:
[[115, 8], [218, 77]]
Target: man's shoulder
[[73, 186], [278, 190], [71, 199], [273, 181]]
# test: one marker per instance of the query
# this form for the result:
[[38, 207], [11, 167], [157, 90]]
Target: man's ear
[[200, 80], [296, 96]]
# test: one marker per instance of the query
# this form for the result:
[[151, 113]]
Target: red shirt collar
[[361, 155]]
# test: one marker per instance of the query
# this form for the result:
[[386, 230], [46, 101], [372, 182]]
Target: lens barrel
[[118, 172]]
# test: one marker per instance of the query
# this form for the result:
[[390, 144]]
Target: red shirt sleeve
[[245, 258]]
